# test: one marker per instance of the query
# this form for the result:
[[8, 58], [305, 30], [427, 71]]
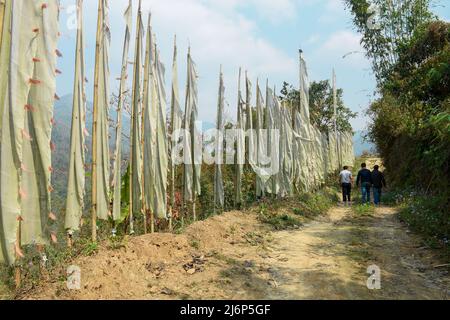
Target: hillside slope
[[61, 139]]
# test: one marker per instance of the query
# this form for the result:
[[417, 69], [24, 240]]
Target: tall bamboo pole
[[153, 78], [268, 129], [2, 13], [248, 110], [94, 122], [218, 176], [238, 173], [192, 125], [117, 175], [145, 205], [192, 170], [172, 124], [77, 125], [277, 126], [338, 143], [186, 115], [17, 269], [134, 112], [258, 139]]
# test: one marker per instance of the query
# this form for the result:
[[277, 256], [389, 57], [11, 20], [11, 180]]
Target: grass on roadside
[[314, 204], [281, 221], [363, 209], [293, 213], [428, 215]]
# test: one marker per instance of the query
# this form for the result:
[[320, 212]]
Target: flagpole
[[18, 270], [172, 166], [219, 148], [338, 147], [74, 198], [117, 177], [237, 177], [276, 176], [247, 121], [300, 52], [145, 205], [185, 142], [94, 122], [269, 130]]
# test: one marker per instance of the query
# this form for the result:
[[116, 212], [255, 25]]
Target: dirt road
[[329, 260], [234, 256]]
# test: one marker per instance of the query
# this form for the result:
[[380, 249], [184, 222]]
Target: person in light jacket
[[346, 180]]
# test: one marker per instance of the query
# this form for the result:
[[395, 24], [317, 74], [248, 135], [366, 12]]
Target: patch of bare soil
[[212, 259], [330, 260], [234, 256]]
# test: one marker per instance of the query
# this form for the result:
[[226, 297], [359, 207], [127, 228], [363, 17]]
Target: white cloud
[[353, 72], [228, 33], [313, 39], [346, 44], [334, 10], [273, 11], [218, 34]]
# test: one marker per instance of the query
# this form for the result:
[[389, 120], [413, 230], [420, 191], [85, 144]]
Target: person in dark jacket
[[364, 180], [378, 183]]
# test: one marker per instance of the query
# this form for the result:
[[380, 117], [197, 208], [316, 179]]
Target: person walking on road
[[378, 183], [364, 180], [346, 180]]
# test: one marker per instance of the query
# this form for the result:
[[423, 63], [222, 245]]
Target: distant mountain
[[361, 145], [61, 139]]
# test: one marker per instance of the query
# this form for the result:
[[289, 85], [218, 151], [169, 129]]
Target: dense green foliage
[[411, 122], [304, 207], [423, 213], [321, 106], [411, 118], [385, 26]]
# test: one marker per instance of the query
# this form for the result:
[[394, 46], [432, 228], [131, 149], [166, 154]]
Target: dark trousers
[[346, 192], [365, 192], [377, 195]]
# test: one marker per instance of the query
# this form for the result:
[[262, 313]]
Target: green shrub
[[314, 204], [363, 210], [307, 205], [427, 215], [280, 221], [411, 128]]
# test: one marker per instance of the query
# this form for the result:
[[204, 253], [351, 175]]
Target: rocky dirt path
[[329, 260], [234, 256]]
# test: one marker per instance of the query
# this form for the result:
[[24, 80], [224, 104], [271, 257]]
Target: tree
[[321, 105], [410, 124], [385, 26]]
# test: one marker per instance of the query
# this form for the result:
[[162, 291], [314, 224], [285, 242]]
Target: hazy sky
[[261, 36]]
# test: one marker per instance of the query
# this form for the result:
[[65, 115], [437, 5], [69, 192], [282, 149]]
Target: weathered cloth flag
[[161, 160], [261, 144], [219, 194], [240, 147], [117, 166], [175, 126], [192, 148], [149, 108], [28, 54], [76, 181], [135, 130], [249, 137], [100, 139]]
